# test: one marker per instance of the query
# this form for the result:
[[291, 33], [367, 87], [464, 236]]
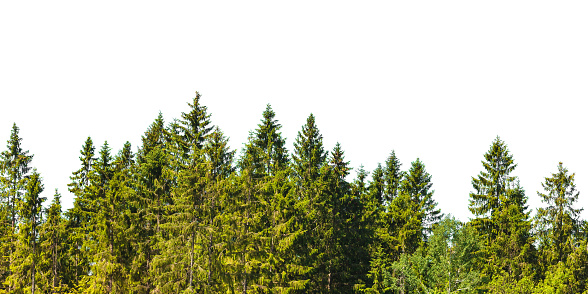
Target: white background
[[438, 80]]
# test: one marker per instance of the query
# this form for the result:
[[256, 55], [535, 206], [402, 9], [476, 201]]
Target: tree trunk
[[191, 260]]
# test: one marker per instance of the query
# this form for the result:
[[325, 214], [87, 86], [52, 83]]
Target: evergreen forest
[[184, 213]]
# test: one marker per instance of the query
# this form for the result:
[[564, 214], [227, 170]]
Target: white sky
[[436, 80]]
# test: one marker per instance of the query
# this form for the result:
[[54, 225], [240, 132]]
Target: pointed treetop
[[309, 154], [153, 137], [219, 154], [392, 177], [16, 160], [338, 163], [195, 124]]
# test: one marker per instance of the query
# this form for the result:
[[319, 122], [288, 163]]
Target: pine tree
[[502, 220], [309, 156], [220, 168], [78, 217], [187, 221], [154, 137], [392, 178], [265, 201], [377, 185], [153, 185], [24, 269], [417, 183], [309, 160], [110, 260], [15, 168], [53, 249], [194, 127], [352, 233], [558, 223]]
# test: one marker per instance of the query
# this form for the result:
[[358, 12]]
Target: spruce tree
[[392, 178], [78, 216], [15, 168], [110, 258], [23, 278], [558, 224], [54, 248], [417, 183], [502, 219], [308, 162], [153, 184], [187, 222]]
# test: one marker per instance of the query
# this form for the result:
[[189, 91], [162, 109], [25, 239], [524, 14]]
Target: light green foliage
[[78, 218], [53, 248], [558, 224], [14, 166], [501, 217], [187, 217], [24, 268]]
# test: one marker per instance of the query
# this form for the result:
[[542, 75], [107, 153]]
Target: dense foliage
[[186, 214]]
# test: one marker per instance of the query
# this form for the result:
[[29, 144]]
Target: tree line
[[185, 214]]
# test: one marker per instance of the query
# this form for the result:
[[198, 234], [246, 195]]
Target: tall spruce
[[153, 184], [15, 171], [23, 278], [111, 248], [177, 267], [501, 218], [54, 247], [308, 161], [558, 223], [78, 216]]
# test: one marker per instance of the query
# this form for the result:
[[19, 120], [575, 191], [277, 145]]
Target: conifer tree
[[15, 168], [78, 216], [558, 223], [219, 159], [110, 258], [154, 137], [54, 248], [194, 127], [308, 162], [393, 177], [23, 278], [499, 204], [186, 223], [417, 183], [153, 186], [377, 185], [309, 156]]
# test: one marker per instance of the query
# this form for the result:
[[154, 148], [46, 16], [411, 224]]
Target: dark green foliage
[[417, 183], [392, 178]]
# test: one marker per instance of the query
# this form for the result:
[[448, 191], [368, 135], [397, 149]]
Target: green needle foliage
[[185, 214], [502, 219], [558, 223]]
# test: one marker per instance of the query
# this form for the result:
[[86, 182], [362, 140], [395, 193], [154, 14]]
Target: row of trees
[[184, 215]]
